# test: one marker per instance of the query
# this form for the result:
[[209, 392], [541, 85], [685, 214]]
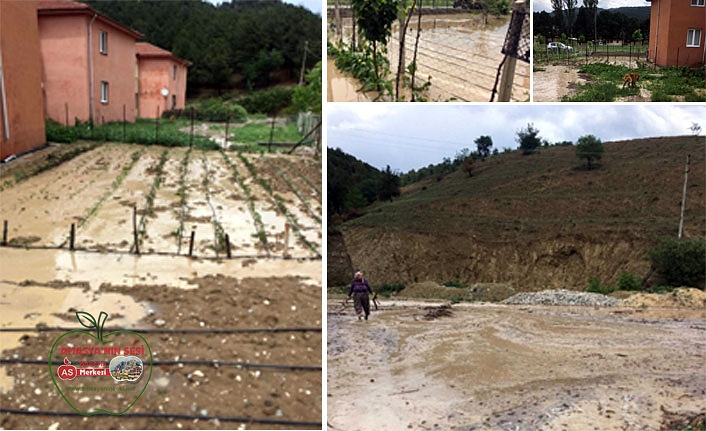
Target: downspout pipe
[[659, 6], [5, 118], [91, 92]]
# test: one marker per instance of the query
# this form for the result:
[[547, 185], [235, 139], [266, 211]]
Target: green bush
[[57, 133], [628, 281], [594, 286], [453, 283], [267, 101], [211, 109], [681, 262], [388, 289]]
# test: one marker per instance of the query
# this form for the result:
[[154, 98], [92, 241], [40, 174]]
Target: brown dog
[[631, 79]]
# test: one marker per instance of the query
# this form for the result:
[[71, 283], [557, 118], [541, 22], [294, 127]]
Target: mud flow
[[497, 367]]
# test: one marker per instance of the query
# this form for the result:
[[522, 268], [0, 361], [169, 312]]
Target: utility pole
[[301, 74], [683, 197]]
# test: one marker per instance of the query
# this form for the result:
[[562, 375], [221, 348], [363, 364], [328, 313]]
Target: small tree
[[375, 18], [681, 263], [389, 185], [528, 139], [484, 144], [590, 148], [637, 36], [468, 166]]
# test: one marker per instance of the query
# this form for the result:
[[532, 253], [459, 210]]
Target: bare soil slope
[[535, 222]]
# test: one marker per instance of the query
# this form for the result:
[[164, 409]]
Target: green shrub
[[681, 262], [58, 133], [267, 101], [453, 283], [388, 289], [594, 286], [628, 281]]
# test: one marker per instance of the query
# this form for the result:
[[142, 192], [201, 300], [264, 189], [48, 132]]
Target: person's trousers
[[361, 301]]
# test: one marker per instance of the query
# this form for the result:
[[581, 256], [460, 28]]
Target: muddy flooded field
[[175, 191], [257, 315], [458, 51], [499, 367]]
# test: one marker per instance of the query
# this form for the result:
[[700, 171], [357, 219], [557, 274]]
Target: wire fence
[[588, 53]]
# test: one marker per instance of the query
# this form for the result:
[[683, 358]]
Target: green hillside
[[537, 220]]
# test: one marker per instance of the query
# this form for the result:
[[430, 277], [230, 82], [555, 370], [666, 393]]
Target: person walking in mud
[[359, 291]]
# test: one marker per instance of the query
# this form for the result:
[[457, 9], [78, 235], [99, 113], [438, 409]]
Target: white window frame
[[103, 42], [697, 3], [105, 91], [691, 38]]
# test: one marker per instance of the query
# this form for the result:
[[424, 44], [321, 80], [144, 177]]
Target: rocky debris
[[433, 313], [563, 297]]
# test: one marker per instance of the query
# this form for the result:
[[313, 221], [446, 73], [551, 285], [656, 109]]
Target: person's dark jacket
[[359, 286]]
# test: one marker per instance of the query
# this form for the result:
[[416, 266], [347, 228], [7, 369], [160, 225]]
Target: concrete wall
[[22, 79], [64, 50], [156, 73], [669, 23]]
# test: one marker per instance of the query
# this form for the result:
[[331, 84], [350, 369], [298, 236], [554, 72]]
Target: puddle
[[129, 270], [343, 87]]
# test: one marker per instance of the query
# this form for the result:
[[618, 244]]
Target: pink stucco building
[[161, 80], [677, 32], [88, 62], [21, 115]]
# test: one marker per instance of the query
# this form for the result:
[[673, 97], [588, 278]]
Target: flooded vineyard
[[458, 52]]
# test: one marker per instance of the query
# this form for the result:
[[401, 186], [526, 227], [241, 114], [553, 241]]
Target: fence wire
[[518, 43]]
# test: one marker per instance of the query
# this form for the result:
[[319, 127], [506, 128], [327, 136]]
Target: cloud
[[410, 136]]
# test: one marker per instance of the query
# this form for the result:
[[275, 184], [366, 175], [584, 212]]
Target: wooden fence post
[[191, 242], [228, 246], [4, 232], [72, 237], [510, 61], [286, 240], [134, 230]]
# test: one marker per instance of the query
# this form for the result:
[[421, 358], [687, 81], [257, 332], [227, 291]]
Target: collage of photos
[[513, 235]]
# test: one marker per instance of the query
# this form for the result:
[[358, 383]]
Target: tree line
[[585, 23], [240, 43]]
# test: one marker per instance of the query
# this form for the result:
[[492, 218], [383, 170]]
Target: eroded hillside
[[536, 222]]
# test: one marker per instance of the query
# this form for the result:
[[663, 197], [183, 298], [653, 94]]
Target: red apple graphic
[[67, 371], [97, 376]]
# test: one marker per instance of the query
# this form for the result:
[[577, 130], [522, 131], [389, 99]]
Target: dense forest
[[610, 24], [354, 184], [242, 43]]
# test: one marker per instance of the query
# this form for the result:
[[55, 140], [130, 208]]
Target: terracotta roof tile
[[145, 49]]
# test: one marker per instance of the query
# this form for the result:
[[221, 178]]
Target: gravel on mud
[[563, 297]]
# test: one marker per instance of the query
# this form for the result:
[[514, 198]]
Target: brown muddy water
[[458, 51], [496, 367]]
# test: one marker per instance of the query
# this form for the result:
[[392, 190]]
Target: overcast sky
[[409, 136], [312, 5], [545, 5]]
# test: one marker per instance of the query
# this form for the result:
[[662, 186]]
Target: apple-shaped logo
[[101, 363]]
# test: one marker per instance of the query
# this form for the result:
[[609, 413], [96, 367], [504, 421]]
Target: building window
[[173, 102], [104, 92], [174, 72], [697, 2], [103, 45], [693, 38]]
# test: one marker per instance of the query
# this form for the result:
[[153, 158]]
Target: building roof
[[147, 50], [72, 7]]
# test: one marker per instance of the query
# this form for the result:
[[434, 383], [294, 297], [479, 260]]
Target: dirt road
[[496, 367]]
